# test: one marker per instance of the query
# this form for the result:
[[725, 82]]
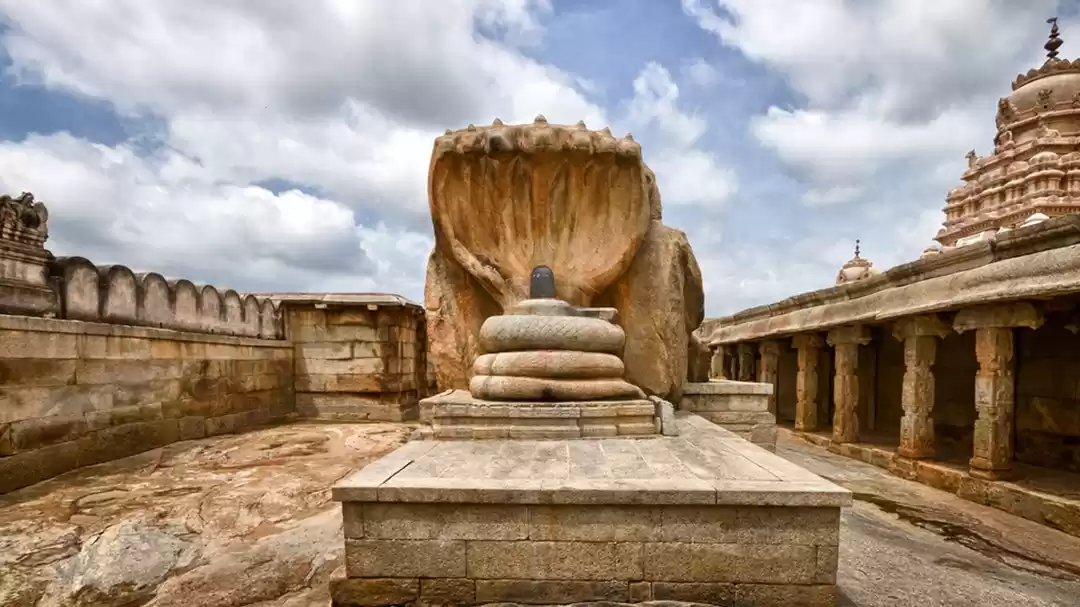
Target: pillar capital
[[1015, 314], [747, 347], [921, 326], [854, 334], [807, 340]]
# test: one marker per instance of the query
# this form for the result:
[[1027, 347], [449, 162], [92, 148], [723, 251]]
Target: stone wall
[[1048, 396], [473, 554], [75, 393], [358, 357]]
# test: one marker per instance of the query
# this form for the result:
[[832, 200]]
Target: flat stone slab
[[727, 386], [705, 464]]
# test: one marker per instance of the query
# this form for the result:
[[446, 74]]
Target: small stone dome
[[1033, 219], [856, 269], [1056, 82]]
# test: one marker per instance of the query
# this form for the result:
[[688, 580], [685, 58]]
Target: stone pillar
[[920, 336], [747, 355], [768, 369], [24, 260], [847, 340], [806, 380], [994, 382], [716, 365]]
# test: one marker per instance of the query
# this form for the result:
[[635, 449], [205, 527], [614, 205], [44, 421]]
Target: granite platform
[[704, 516]]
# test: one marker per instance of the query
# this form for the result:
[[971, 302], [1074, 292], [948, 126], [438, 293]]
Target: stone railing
[[117, 295]]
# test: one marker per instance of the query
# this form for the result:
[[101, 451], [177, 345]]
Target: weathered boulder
[[660, 301], [698, 359], [124, 565], [455, 308]]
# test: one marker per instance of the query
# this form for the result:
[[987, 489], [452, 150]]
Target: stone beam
[[846, 341], [1016, 314], [808, 346]]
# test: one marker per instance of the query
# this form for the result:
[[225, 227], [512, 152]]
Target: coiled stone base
[[500, 387], [569, 364], [515, 333]]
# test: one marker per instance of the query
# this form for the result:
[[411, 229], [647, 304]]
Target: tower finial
[[1054, 43], [856, 248]]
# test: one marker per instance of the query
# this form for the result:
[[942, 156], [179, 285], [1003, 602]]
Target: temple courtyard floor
[[247, 520]]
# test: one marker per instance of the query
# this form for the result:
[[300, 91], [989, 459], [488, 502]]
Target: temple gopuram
[[960, 369]]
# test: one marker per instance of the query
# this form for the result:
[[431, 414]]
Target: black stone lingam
[[542, 283]]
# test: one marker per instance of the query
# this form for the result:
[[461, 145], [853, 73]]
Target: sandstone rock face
[[505, 199], [220, 522], [660, 301], [456, 307]]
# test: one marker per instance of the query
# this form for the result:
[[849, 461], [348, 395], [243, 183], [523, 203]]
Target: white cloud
[[341, 98], [686, 171], [700, 72], [884, 82], [344, 98], [112, 205]]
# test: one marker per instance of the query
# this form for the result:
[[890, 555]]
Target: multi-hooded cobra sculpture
[[506, 199]]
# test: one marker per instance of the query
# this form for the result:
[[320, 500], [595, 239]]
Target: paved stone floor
[[246, 520], [903, 543]]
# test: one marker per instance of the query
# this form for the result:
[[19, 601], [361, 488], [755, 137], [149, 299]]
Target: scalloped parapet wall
[[117, 295]]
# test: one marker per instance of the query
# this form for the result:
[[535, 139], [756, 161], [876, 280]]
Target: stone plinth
[[703, 517], [456, 414], [740, 407]]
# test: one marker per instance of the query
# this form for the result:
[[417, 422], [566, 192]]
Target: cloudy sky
[[282, 145]]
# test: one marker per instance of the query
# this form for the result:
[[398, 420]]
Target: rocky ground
[[246, 520], [232, 520]]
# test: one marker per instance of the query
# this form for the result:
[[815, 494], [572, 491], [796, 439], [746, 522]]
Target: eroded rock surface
[[234, 520], [661, 302]]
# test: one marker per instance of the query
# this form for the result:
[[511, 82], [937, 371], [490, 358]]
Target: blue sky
[[274, 145]]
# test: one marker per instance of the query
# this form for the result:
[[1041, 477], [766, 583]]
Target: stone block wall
[[75, 393], [358, 361], [738, 406], [1048, 396], [467, 554]]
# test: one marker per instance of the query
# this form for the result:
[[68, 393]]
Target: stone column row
[[994, 382]]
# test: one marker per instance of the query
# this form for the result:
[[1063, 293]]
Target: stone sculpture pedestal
[[739, 406], [704, 517]]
